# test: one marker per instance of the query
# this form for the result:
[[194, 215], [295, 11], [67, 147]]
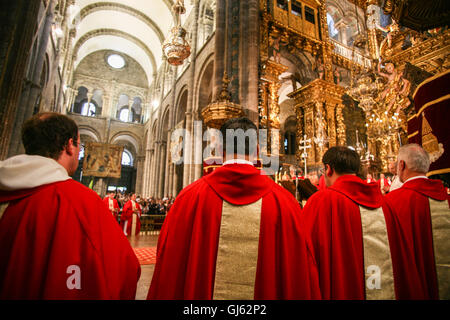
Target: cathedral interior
[[130, 73]]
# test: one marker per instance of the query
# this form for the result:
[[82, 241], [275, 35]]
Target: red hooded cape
[[127, 215], [49, 232], [115, 205], [332, 222], [408, 218], [188, 243]]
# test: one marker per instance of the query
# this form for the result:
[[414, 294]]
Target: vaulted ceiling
[[136, 28]]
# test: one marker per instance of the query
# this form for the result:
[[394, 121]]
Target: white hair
[[415, 157]]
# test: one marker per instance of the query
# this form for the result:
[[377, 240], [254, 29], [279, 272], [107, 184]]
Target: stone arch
[[154, 130], [289, 135], [89, 132], [131, 138], [99, 6], [118, 33], [204, 86], [164, 127], [181, 105]]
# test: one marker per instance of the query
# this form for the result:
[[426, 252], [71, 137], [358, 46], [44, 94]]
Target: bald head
[[412, 160]]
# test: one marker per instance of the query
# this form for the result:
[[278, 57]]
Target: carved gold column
[[327, 46], [320, 103], [341, 134], [270, 83], [270, 74]]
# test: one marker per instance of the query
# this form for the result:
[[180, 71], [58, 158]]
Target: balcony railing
[[351, 54]]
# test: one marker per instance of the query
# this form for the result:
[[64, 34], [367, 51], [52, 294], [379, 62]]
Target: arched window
[[289, 143], [331, 29], [127, 158], [88, 109], [124, 115]]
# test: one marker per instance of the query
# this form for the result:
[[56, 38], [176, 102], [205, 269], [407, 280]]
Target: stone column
[[157, 165], [106, 111], [167, 163], [249, 57], [17, 35], [139, 173], [113, 111], [341, 26], [187, 179], [162, 167], [157, 162], [72, 94], [100, 186], [198, 151], [151, 168], [89, 97], [33, 89], [219, 47], [170, 166]]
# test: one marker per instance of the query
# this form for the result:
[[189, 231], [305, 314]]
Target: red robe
[[188, 243], [407, 212], [60, 242], [385, 182], [333, 228], [127, 217], [115, 205]]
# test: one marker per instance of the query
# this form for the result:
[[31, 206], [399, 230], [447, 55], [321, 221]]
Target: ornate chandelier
[[176, 48], [366, 90]]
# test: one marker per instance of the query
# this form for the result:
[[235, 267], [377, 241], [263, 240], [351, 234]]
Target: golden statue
[[391, 30], [396, 90]]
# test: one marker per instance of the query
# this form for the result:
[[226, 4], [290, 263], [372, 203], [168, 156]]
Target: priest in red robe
[[346, 232], [234, 234], [383, 184], [112, 205], [418, 217], [58, 239], [130, 220]]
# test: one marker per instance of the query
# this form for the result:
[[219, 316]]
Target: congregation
[[234, 234]]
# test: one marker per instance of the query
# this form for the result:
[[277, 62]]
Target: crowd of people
[[386, 181], [234, 234], [149, 205]]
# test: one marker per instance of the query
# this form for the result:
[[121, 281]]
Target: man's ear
[[69, 147], [401, 165]]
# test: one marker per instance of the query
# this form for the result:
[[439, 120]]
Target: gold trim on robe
[[111, 205], [133, 225], [134, 218], [3, 207], [379, 276], [440, 225], [237, 254]]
